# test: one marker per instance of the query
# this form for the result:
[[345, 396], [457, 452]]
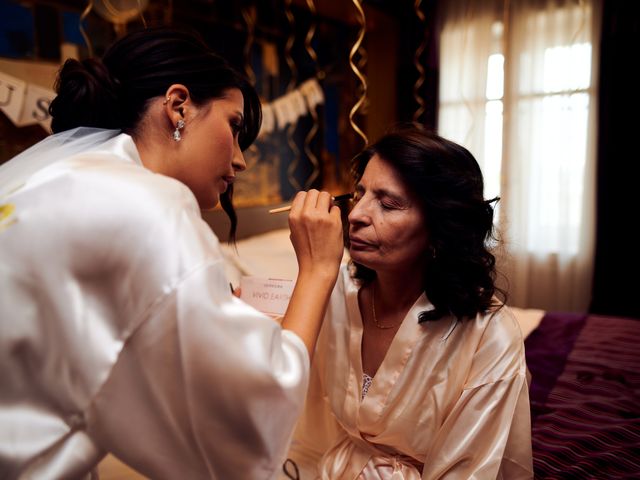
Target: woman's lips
[[356, 242], [227, 181]]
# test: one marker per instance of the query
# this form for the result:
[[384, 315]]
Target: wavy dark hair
[[460, 270], [114, 92]]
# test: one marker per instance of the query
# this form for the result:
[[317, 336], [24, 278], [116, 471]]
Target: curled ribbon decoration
[[314, 115], [83, 32], [354, 49], [416, 61], [291, 85]]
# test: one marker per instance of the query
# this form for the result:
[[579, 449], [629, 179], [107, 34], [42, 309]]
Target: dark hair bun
[[87, 97]]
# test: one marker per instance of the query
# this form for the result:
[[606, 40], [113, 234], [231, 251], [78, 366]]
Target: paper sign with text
[[269, 295]]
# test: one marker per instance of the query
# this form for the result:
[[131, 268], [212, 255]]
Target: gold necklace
[[373, 310]]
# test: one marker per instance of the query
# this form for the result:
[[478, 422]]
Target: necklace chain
[[373, 310]]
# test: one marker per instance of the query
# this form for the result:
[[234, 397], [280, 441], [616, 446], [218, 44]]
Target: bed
[[585, 369], [585, 373], [585, 396]]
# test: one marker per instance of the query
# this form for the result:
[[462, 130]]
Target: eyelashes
[[236, 128], [384, 205]]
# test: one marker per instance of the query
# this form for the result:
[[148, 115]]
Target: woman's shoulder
[[114, 182], [106, 192], [499, 353], [499, 319], [500, 329]]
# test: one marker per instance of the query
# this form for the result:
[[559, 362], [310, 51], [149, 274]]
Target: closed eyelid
[[382, 194], [396, 201], [391, 196]]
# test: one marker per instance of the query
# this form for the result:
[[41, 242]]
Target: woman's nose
[[238, 162], [358, 214]]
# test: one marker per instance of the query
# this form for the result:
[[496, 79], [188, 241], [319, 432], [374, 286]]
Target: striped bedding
[[585, 396]]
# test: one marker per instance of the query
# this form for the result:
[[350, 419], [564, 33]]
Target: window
[[550, 93], [516, 89]]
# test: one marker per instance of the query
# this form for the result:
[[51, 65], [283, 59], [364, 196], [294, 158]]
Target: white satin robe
[[450, 400], [119, 333]]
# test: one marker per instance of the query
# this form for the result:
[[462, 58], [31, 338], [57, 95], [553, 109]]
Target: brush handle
[[335, 199], [281, 209]]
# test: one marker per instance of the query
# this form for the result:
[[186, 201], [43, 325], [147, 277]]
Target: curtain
[[616, 282], [518, 88]]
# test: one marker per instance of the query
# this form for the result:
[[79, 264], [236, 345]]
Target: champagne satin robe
[[449, 401], [119, 333]]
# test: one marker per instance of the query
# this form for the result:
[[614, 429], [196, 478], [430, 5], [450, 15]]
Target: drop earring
[[176, 133]]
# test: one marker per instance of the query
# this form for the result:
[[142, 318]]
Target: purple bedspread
[[585, 396]]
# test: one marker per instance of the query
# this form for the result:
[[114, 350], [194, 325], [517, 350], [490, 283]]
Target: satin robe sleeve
[[203, 389], [205, 386], [487, 433], [118, 332]]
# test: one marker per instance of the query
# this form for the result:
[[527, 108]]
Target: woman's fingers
[[323, 201], [316, 230], [297, 204], [311, 200]]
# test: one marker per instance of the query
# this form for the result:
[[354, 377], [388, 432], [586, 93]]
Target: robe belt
[[348, 458]]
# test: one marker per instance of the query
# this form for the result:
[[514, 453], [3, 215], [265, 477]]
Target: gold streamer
[[292, 83], [416, 61], [354, 68], [363, 57], [144, 20], [117, 12], [314, 115], [84, 15]]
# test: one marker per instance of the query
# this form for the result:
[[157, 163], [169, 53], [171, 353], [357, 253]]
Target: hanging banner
[[12, 92], [27, 104], [291, 106], [24, 103]]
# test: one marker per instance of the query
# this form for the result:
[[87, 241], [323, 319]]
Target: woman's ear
[[177, 102]]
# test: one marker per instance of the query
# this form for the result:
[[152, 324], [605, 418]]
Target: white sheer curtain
[[518, 88]]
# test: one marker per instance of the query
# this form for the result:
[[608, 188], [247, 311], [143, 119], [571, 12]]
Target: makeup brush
[[337, 198]]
